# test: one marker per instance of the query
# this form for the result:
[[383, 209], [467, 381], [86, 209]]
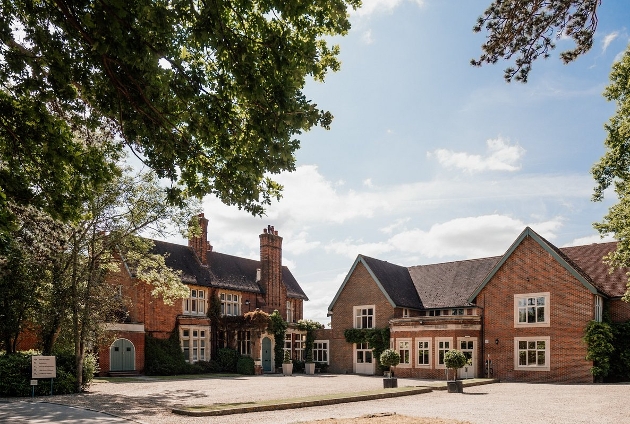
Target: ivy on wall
[[378, 338], [608, 346]]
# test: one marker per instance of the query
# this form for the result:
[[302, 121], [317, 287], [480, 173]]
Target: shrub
[[210, 366], [245, 365], [227, 359], [164, 356], [389, 358]]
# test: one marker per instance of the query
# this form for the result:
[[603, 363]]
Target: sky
[[429, 159]]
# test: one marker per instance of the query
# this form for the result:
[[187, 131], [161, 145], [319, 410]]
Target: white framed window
[[195, 304], [364, 316], [298, 346], [288, 341], [289, 311], [457, 311], [531, 353], [243, 340], [442, 345], [405, 313], [320, 351], [194, 342], [230, 304], [403, 346], [423, 354], [599, 308], [531, 310]]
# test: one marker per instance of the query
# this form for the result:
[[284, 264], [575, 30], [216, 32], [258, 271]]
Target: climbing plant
[[599, 338], [309, 326], [378, 338], [277, 327]]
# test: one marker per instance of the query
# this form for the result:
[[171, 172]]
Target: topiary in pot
[[454, 359], [389, 358]]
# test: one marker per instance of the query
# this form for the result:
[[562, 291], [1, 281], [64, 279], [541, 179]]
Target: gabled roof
[[395, 281], [449, 284], [580, 274], [223, 271], [589, 259]]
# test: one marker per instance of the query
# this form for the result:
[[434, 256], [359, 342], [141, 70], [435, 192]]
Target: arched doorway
[[266, 354], [122, 356]]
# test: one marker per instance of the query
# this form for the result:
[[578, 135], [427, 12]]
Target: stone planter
[[390, 383], [287, 369], [309, 368], [456, 386]]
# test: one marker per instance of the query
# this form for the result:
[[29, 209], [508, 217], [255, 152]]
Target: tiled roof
[[223, 271], [449, 284], [396, 282], [589, 259]]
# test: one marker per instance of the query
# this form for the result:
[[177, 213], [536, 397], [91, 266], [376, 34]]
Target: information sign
[[44, 367]]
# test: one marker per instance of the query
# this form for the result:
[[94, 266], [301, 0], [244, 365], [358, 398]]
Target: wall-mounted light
[[496, 341]]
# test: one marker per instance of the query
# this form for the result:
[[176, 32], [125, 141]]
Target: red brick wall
[[360, 289], [275, 296], [137, 338], [530, 269], [619, 310]]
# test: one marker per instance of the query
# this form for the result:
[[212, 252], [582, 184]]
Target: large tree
[[207, 93], [525, 30]]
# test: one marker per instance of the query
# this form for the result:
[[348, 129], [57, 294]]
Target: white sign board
[[44, 367]]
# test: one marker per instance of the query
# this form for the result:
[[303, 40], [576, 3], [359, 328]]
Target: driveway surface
[[38, 412], [150, 400]]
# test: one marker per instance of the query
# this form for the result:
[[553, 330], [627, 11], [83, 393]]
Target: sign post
[[44, 367]]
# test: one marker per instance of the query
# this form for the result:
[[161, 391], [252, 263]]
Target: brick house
[[237, 285], [517, 317]]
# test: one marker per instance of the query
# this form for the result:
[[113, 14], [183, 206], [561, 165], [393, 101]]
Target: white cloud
[[350, 248], [368, 183], [298, 244], [595, 238], [372, 7], [367, 37], [609, 39], [397, 224], [501, 157]]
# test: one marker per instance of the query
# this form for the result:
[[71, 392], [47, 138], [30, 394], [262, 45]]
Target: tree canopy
[[527, 29], [206, 93]]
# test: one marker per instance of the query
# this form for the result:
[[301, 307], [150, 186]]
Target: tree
[[527, 30], [613, 169], [207, 93], [454, 359]]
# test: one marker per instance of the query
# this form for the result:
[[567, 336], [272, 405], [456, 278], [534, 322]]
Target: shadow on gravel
[[474, 394]]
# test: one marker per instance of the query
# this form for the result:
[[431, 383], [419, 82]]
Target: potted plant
[[390, 358], [287, 365], [454, 359], [309, 327]]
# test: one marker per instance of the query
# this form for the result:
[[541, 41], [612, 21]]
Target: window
[[404, 350], [458, 311], [405, 313], [598, 308], [531, 353], [531, 310], [443, 345], [364, 353], [243, 340], [221, 339], [298, 346], [320, 351], [194, 342], [288, 340], [289, 311], [424, 353], [435, 313], [364, 316], [196, 303], [230, 304]]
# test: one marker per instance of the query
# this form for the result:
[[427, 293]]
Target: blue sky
[[429, 159]]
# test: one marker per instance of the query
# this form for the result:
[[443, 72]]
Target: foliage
[[257, 320], [298, 366], [228, 359], [208, 93], [599, 338], [245, 365], [164, 356], [286, 357], [620, 357], [378, 338], [389, 358], [527, 30], [15, 374], [309, 326], [277, 327], [454, 359]]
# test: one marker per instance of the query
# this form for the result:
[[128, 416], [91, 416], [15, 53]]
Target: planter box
[[390, 383], [309, 368], [456, 386], [287, 369]]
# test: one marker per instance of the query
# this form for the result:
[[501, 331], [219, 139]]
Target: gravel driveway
[[150, 400]]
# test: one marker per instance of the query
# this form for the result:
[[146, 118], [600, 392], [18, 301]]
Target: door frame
[[468, 371], [133, 352], [363, 367], [262, 353]]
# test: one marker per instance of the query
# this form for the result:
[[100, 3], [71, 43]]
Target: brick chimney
[[271, 271], [200, 244]]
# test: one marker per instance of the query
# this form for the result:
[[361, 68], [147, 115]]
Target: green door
[[122, 356], [266, 354]]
